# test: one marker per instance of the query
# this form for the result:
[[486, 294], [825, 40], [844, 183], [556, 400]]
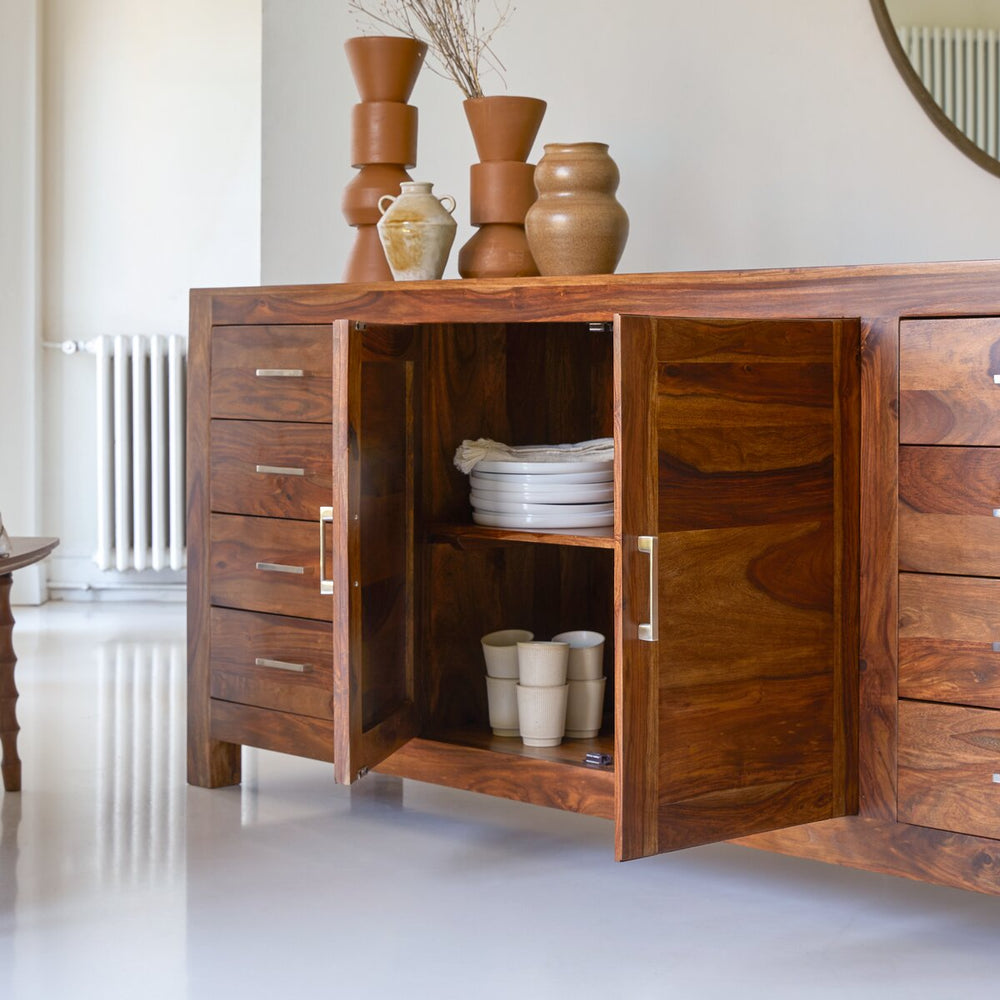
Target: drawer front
[[949, 768], [263, 564], [946, 390], [947, 499], [272, 662], [948, 626], [271, 469], [272, 373]]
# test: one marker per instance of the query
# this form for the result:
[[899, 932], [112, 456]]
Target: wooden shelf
[[570, 752], [460, 534]]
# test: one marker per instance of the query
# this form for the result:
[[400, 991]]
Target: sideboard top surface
[[933, 289]]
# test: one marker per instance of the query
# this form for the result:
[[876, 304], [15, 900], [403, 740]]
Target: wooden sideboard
[[809, 454]]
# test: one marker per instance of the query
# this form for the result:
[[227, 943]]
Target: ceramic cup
[[541, 712], [501, 693], [586, 654], [584, 708], [500, 651], [542, 664]]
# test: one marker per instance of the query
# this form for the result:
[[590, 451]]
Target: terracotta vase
[[383, 141], [502, 186], [577, 225], [417, 231]]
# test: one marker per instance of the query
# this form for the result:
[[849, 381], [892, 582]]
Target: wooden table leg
[[9, 728]]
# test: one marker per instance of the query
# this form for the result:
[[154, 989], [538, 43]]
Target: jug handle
[[445, 198], [386, 198]]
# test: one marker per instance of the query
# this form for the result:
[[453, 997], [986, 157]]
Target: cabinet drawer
[[946, 390], [947, 497], [272, 373], [264, 564], [271, 469], [949, 768], [947, 629], [272, 662]]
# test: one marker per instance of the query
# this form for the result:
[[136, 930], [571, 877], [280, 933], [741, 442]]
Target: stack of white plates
[[543, 496]]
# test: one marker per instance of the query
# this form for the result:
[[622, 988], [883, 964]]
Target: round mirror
[[949, 54]]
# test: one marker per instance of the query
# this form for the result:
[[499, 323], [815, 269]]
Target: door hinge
[[598, 759], [362, 772]]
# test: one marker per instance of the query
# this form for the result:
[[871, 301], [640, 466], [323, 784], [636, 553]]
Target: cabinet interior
[[433, 583]]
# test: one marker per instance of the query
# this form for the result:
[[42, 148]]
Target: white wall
[[20, 356], [775, 133], [151, 186]]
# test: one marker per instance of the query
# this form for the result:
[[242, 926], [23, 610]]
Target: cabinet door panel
[[751, 439], [946, 390], [946, 501], [375, 435]]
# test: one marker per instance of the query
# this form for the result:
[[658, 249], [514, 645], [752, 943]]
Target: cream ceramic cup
[[584, 708], [541, 712], [501, 693], [500, 651], [542, 664], [586, 654]]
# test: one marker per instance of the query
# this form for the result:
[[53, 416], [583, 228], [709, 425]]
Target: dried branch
[[451, 29]]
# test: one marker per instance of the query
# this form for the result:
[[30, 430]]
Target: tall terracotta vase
[[502, 186], [383, 141], [577, 225]]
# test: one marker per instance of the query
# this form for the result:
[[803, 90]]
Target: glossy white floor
[[117, 880]]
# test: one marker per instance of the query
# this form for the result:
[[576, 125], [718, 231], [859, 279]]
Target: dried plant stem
[[451, 29]]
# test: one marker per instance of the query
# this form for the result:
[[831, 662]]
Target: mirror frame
[[923, 95]]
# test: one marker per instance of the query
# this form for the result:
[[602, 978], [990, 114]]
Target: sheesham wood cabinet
[[799, 591]]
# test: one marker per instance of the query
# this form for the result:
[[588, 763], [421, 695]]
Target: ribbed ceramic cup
[[541, 712], [586, 654], [500, 651], [542, 664], [501, 693], [584, 708]]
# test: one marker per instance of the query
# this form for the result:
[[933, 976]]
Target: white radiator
[[140, 452], [959, 66]]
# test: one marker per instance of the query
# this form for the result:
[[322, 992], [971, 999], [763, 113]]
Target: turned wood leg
[[9, 728]]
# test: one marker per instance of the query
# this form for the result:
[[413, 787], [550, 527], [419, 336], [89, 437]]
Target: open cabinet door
[[370, 544], [738, 453]]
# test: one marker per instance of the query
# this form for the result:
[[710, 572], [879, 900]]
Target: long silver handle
[[325, 516], [279, 568], [649, 631], [299, 668], [280, 373], [280, 470]]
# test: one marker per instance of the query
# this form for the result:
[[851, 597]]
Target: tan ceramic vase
[[502, 186], [577, 225], [417, 231], [383, 141]]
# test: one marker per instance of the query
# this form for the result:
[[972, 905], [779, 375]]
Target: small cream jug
[[417, 231]]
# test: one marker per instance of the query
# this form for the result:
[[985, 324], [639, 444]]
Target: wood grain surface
[[946, 501], [949, 768], [948, 627], [946, 390]]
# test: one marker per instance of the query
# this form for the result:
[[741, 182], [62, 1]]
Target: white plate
[[573, 493], [479, 502], [555, 479], [541, 468], [546, 521]]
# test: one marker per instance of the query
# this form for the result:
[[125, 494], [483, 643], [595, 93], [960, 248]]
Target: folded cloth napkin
[[470, 453]]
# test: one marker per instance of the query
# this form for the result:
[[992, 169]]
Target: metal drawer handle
[[299, 668], [648, 631], [325, 516], [279, 568], [280, 373], [280, 470]]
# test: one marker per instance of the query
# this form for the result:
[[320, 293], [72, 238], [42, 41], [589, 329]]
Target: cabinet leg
[[9, 728], [213, 764]]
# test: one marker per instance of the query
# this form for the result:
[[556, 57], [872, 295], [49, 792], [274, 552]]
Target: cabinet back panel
[[546, 589], [519, 384]]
